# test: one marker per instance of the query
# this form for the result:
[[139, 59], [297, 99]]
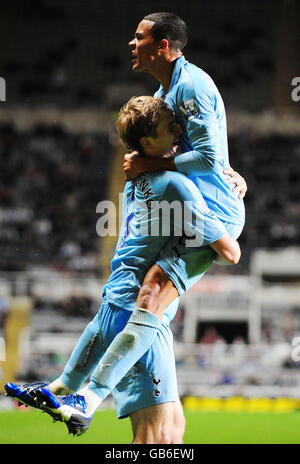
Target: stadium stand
[[67, 69], [52, 180]]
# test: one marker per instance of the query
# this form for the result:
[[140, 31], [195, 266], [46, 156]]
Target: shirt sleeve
[[192, 218], [198, 103]]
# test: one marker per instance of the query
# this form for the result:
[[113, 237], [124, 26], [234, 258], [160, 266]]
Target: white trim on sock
[[91, 398], [143, 317], [59, 388]]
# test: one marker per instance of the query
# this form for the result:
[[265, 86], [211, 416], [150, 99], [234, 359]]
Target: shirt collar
[[175, 75], [177, 69]]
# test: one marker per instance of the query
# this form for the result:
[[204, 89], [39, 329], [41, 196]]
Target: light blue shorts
[[185, 266], [152, 380]]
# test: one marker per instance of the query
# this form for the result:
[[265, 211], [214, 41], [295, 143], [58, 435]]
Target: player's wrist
[[159, 164]]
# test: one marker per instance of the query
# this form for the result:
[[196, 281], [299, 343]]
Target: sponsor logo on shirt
[[156, 391], [144, 184], [189, 108]]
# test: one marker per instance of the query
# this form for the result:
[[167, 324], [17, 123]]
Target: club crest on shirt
[[189, 108]]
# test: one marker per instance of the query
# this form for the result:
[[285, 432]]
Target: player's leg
[[140, 331], [179, 423], [124, 351], [151, 381], [162, 284], [81, 363], [84, 358], [130, 344], [159, 424], [148, 394], [77, 409], [157, 291], [169, 277]]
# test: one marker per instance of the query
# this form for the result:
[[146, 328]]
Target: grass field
[[32, 427]]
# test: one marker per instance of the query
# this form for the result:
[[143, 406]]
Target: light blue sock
[[124, 351], [85, 356]]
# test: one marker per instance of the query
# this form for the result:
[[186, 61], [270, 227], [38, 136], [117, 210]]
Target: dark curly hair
[[169, 26]]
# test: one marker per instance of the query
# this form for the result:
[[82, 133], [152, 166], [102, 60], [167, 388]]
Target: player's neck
[[164, 70]]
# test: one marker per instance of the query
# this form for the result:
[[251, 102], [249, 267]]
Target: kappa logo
[[144, 185], [102, 366], [189, 109], [156, 392]]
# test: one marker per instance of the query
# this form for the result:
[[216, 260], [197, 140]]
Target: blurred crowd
[[48, 60], [51, 181], [50, 184], [72, 306]]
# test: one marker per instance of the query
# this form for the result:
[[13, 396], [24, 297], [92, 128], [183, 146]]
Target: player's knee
[[231, 257], [236, 256]]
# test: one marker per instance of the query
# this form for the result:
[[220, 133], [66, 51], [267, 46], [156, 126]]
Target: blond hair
[[139, 117]]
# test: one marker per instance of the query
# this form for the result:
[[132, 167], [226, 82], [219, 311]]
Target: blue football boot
[[23, 394], [26, 394], [70, 408]]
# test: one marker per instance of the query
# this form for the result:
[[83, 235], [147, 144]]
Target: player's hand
[[239, 181], [133, 165]]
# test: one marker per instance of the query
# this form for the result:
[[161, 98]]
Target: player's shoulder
[[161, 184], [194, 81], [191, 74]]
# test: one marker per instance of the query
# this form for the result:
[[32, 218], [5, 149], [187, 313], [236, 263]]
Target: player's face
[[166, 133], [143, 47]]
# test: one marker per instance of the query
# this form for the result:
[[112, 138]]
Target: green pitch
[[33, 427]]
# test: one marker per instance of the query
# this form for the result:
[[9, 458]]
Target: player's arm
[[134, 165], [199, 225], [198, 103], [202, 129], [203, 132]]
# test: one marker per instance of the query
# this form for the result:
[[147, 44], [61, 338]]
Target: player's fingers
[[241, 190], [232, 180], [129, 156], [230, 172], [126, 166], [240, 181]]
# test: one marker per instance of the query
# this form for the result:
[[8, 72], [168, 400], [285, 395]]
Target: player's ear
[[163, 45], [145, 143]]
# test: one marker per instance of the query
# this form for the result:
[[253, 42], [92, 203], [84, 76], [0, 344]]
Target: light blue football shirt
[[149, 222], [199, 109]]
